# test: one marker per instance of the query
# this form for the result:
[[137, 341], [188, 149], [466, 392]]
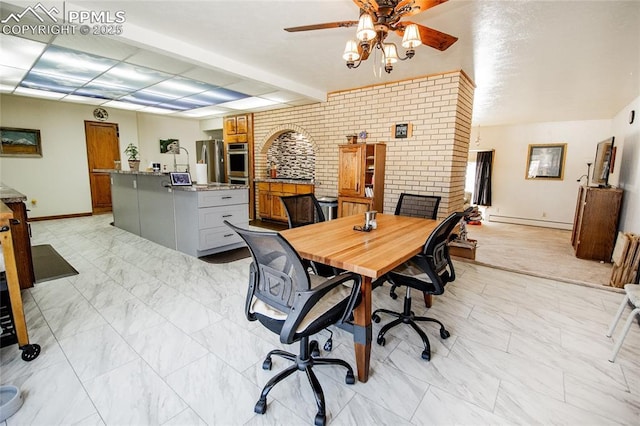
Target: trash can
[[329, 206]]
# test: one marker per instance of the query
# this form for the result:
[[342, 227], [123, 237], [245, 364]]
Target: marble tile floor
[[145, 335]]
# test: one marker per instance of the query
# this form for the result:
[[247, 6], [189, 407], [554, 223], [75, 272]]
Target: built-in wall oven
[[237, 162]]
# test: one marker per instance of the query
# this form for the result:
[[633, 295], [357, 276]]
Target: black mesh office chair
[[428, 272], [290, 302], [304, 209], [413, 205], [425, 206]]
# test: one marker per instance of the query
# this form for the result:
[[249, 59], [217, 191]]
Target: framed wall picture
[[169, 146], [20, 142], [546, 161], [401, 131], [180, 179]]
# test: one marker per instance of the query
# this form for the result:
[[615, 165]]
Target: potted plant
[[132, 155]]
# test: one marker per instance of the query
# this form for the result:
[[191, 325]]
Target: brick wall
[[432, 161]]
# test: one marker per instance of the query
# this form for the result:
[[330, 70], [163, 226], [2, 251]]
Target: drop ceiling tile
[[83, 100], [248, 103], [71, 64], [123, 105], [159, 62], [178, 87], [218, 96], [18, 52], [60, 84], [131, 76], [102, 91], [10, 75], [25, 91]]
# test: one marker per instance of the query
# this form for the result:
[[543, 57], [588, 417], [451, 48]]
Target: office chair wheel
[[381, 341], [426, 355], [30, 352], [350, 379], [261, 406], [266, 364], [393, 294], [320, 420], [314, 348], [375, 318], [444, 333], [328, 345]]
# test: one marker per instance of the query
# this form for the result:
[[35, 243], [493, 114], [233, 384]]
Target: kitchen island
[[184, 218]]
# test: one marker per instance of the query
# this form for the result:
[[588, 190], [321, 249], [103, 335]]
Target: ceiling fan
[[377, 19]]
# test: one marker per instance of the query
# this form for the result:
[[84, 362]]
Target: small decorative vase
[[134, 165]]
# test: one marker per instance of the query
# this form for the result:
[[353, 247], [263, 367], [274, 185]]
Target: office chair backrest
[[302, 209], [277, 272], [435, 259], [424, 206]]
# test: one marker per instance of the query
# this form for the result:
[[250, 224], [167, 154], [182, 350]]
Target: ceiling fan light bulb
[[390, 53], [411, 38], [365, 31], [351, 52]]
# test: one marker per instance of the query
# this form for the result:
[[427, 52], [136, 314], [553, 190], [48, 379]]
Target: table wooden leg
[[14, 286], [428, 300], [362, 331]]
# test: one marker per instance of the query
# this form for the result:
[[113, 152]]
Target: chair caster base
[[266, 364], [350, 379], [261, 406], [320, 420], [314, 349], [381, 341], [426, 355], [444, 334]]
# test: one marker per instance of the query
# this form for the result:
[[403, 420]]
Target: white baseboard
[[531, 222]]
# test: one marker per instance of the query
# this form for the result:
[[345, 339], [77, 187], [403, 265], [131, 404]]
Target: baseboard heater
[[531, 222]]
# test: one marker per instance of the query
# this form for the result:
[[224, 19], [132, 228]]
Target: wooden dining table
[[370, 254]]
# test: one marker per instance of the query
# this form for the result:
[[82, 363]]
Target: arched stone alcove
[[290, 149]]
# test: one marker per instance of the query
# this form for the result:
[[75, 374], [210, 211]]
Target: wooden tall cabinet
[[361, 178], [239, 129], [595, 224]]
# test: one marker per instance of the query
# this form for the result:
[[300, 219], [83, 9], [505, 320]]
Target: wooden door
[[350, 171], [102, 150]]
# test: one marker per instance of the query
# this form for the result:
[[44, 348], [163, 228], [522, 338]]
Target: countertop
[[286, 180], [213, 186], [10, 195]]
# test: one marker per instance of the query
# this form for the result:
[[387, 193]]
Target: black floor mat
[[49, 265]]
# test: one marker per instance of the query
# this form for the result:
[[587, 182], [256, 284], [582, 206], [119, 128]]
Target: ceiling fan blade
[[429, 36], [418, 6], [368, 6], [341, 24]]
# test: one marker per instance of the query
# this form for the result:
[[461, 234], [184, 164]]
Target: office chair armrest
[[253, 277], [306, 300]]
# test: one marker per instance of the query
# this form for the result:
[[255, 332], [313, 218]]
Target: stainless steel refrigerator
[[212, 152]]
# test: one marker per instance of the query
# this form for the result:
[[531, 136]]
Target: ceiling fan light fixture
[[411, 38], [390, 53], [365, 31], [351, 51]]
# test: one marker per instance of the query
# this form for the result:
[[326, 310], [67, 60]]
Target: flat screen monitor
[[603, 162]]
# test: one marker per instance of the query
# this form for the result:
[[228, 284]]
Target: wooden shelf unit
[[361, 178]]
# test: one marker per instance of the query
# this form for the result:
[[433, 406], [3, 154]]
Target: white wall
[[152, 128], [627, 165], [59, 181], [548, 203]]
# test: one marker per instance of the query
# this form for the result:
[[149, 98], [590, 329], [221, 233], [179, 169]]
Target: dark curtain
[[482, 189]]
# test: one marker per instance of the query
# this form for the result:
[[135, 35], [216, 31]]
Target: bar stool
[[633, 297]]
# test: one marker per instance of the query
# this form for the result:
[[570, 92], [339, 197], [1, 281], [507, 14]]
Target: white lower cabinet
[[200, 216]]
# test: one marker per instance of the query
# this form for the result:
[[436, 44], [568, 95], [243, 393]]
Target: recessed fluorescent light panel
[[63, 71]]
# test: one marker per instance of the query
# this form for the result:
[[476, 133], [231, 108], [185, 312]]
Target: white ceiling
[[530, 60]]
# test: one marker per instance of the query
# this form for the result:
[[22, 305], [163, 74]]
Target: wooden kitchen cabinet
[[237, 128], [269, 204], [595, 224], [361, 178]]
